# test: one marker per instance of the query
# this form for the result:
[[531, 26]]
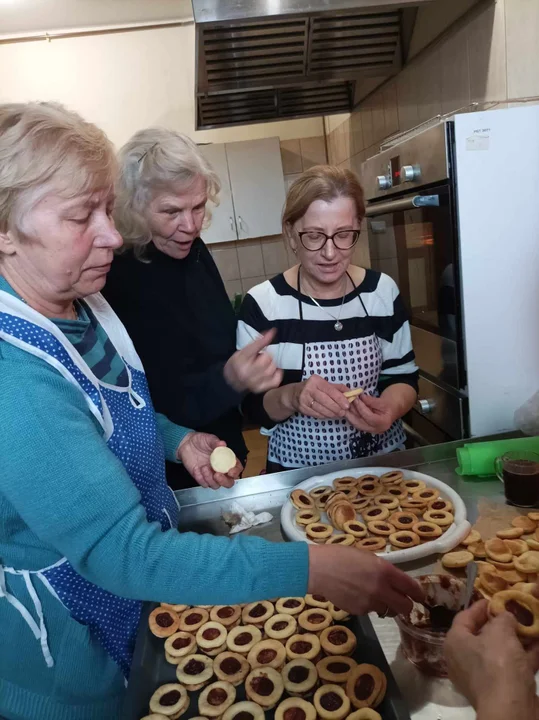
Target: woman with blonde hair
[[168, 292], [340, 327], [89, 527]]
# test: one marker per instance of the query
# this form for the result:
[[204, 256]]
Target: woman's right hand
[[360, 582], [320, 399], [489, 665], [252, 368]]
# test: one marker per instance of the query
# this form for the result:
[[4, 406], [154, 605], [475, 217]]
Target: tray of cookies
[[288, 659], [400, 515]]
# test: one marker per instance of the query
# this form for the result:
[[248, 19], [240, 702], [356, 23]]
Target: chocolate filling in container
[[423, 632]]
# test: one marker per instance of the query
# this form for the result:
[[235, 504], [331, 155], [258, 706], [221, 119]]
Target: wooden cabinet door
[[222, 227], [256, 176]]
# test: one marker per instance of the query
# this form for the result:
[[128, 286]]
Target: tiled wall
[[246, 263], [488, 56]]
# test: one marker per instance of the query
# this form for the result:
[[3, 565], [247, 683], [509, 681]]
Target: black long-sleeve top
[[183, 326]]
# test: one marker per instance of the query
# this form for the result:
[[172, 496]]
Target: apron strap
[[39, 631]]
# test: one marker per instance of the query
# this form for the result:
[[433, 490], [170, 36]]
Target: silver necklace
[[338, 324]]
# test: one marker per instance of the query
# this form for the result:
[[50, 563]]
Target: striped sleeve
[[398, 357], [251, 324]]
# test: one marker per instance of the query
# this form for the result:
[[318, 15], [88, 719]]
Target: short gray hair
[[46, 148], [155, 158]]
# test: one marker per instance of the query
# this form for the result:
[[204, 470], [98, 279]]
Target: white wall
[[31, 16], [125, 82]]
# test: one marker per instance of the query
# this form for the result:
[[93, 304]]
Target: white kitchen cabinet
[[256, 176], [222, 226]]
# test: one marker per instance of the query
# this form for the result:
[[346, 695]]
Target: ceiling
[[33, 16]]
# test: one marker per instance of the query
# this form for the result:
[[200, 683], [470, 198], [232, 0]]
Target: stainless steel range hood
[[262, 60]]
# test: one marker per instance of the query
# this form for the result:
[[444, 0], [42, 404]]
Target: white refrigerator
[[497, 190]]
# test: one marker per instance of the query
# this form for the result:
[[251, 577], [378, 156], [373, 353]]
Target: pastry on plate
[[216, 699], [163, 623], [338, 640], [195, 671], [179, 645], [300, 677], [211, 638], [267, 653], [335, 670], [331, 702], [281, 626], [303, 646], [242, 638], [294, 707], [366, 686], [257, 613], [290, 605], [192, 620], [314, 620], [245, 710], [170, 700], [227, 615], [265, 687], [231, 667]]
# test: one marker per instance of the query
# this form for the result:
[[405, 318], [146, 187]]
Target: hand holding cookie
[[488, 664], [318, 398], [371, 414], [195, 452]]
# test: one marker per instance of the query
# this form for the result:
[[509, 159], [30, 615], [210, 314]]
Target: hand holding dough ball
[[223, 460]]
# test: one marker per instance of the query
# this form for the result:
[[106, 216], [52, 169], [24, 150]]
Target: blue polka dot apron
[[128, 420], [303, 441]]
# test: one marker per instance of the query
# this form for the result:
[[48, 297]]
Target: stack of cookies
[[372, 512], [294, 655], [508, 570]]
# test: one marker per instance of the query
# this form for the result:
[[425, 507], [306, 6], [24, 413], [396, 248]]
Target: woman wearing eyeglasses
[[339, 327]]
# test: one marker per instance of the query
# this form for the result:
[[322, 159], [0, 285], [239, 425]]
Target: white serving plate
[[450, 539]]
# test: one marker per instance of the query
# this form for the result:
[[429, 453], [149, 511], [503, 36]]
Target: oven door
[[412, 239]]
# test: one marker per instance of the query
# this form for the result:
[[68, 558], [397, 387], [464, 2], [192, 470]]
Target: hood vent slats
[[292, 66]]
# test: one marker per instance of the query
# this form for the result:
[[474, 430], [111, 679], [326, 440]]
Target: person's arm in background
[[314, 397], [398, 382], [201, 397], [488, 664], [88, 510]]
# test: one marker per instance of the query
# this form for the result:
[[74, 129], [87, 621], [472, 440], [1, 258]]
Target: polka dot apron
[[130, 430], [303, 441]]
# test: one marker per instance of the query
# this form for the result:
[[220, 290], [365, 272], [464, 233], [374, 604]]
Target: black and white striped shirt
[[373, 310]]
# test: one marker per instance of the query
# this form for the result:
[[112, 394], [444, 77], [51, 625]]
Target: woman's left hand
[[194, 452], [370, 414]]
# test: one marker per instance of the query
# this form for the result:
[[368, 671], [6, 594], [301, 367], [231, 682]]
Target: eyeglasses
[[315, 240]]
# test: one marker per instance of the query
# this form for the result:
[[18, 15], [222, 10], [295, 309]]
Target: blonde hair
[[322, 182], [46, 148], [155, 159]]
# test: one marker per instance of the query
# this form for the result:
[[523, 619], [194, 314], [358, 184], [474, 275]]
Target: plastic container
[[421, 645], [478, 458]]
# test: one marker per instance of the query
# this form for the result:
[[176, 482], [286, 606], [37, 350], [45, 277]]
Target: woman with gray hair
[[167, 290], [89, 526]]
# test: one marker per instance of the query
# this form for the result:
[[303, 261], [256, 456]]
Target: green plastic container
[[477, 459]]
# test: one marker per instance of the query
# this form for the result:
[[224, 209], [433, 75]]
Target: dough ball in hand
[[223, 460]]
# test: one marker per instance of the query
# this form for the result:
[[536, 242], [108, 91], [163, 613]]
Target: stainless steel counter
[[428, 699]]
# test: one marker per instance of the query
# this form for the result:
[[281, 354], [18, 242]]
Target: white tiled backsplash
[[486, 57]]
